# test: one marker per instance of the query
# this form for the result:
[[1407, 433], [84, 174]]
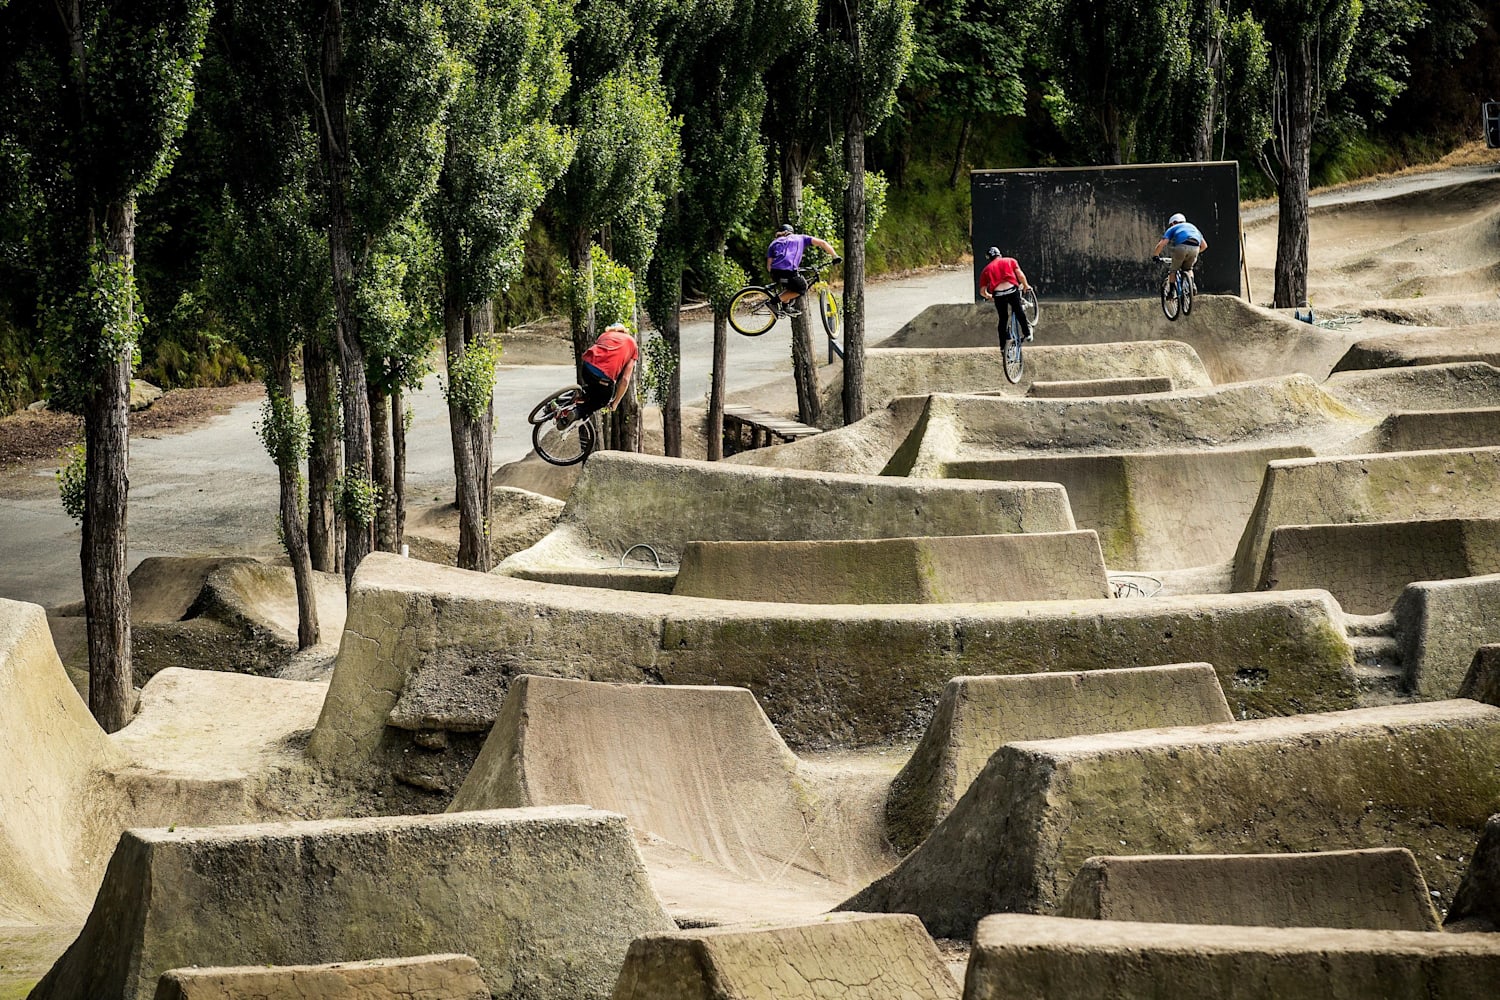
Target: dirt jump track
[[914, 668]]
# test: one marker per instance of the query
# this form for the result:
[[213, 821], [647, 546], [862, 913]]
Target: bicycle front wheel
[[752, 311], [1030, 306], [829, 309], [1014, 365], [549, 408], [1169, 301], [561, 441]]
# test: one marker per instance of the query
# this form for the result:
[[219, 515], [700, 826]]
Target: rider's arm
[[1025, 285], [622, 383], [824, 246], [768, 263], [1160, 245], [1202, 244]]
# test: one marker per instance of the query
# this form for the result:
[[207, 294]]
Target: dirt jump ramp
[[1040, 566], [1476, 905], [1017, 956], [853, 956], [1153, 510], [701, 767], [67, 790], [1424, 347], [1423, 776], [1236, 341], [1460, 385], [893, 372], [1367, 566], [977, 715], [1399, 486], [1376, 890], [435, 648], [1287, 411], [547, 900], [1434, 429], [674, 501], [426, 977]]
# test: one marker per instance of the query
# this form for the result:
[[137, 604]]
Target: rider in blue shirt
[[1184, 243]]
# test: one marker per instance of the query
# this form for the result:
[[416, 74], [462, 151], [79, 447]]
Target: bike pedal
[[787, 311]]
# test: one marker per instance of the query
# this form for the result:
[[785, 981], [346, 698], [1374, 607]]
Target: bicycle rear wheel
[[1030, 306], [1187, 295], [1170, 305], [563, 441], [1014, 365], [752, 311], [829, 309]]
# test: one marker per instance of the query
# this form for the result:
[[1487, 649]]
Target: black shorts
[[791, 281], [597, 387]]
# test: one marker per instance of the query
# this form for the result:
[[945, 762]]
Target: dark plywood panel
[[1087, 232]]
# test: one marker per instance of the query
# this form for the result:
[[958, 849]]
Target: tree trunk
[[1213, 47], [398, 466], [334, 144], [804, 358], [293, 534], [106, 588], [384, 472], [1292, 224], [671, 408], [625, 422], [580, 313], [854, 268], [320, 376], [470, 476], [716, 390], [958, 154]]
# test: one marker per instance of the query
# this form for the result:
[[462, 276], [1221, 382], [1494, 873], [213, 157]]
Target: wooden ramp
[[745, 428]]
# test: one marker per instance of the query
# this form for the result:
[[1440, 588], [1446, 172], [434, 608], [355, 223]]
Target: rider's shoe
[[565, 418], [790, 310]]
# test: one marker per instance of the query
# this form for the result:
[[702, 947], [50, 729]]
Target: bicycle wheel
[[567, 444], [752, 311], [1187, 295], [1030, 306], [828, 303], [1012, 351], [548, 408], [1169, 301]]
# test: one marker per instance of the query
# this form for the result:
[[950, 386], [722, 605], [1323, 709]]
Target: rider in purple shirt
[[784, 256]]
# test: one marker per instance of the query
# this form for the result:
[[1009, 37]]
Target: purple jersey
[[785, 252]]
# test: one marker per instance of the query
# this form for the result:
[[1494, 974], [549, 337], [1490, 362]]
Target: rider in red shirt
[[1002, 281], [604, 370]]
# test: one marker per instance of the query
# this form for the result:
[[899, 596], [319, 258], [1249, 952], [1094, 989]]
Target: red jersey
[[612, 352], [999, 273]]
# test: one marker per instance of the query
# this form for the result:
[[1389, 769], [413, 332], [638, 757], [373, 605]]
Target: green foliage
[[502, 151], [607, 287], [721, 277], [657, 364], [357, 497], [284, 429], [72, 476], [91, 134], [868, 73], [470, 384]]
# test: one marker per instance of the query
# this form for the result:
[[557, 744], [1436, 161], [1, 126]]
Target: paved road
[[213, 489]]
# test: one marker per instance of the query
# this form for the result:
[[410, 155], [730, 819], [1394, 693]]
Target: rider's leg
[[1003, 326], [1021, 321]]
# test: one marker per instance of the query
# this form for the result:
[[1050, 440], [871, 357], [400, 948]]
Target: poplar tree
[[874, 50], [503, 154], [384, 81], [95, 95]]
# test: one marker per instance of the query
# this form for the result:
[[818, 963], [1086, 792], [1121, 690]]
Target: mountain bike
[[756, 308], [1014, 363], [1177, 290], [558, 433]]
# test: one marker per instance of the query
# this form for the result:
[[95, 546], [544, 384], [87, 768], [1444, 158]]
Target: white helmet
[[1179, 217]]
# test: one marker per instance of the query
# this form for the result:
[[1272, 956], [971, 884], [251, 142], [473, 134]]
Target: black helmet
[[786, 227], [992, 253]]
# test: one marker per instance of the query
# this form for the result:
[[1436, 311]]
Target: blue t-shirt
[[1182, 233], [785, 252]]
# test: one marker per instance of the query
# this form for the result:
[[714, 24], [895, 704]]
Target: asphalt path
[[213, 490]]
